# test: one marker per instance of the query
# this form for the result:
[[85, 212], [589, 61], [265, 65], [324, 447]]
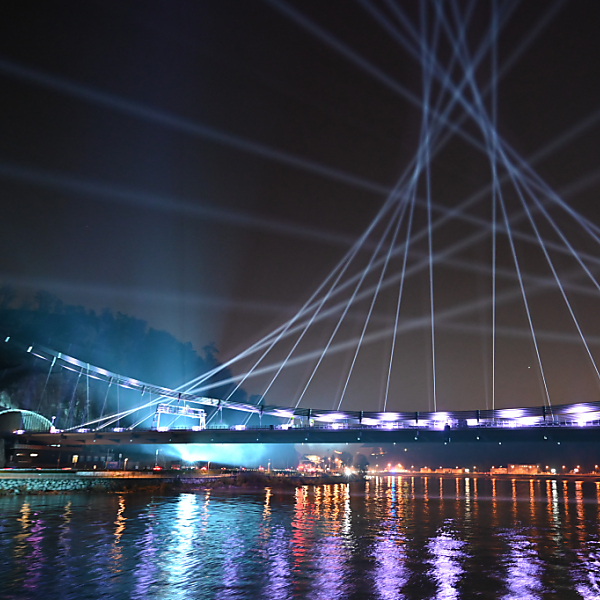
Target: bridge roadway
[[317, 435]]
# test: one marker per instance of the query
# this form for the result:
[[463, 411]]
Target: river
[[388, 538]]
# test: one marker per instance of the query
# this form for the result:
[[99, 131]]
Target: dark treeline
[[114, 341]]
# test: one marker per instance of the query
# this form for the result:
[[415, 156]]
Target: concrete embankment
[[40, 482], [57, 481]]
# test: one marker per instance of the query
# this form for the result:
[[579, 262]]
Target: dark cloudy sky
[[203, 165]]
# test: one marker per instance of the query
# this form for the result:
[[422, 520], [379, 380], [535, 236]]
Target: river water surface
[[388, 538]]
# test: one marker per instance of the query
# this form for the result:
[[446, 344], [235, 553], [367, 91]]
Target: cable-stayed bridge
[[512, 266]]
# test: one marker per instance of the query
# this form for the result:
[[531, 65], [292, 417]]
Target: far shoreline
[[53, 481]]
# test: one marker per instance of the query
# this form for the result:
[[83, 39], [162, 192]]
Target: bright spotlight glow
[[235, 455]]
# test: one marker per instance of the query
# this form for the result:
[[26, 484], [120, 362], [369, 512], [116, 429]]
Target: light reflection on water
[[390, 538]]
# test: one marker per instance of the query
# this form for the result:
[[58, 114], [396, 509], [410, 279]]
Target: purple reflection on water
[[330, 572], [232, 550], [524, 571], [36, 558], [447, 558], [279, 565], [146, 574], [590, 570], [390, 572]]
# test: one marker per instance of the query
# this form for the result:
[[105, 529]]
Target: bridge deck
[[551, 434]]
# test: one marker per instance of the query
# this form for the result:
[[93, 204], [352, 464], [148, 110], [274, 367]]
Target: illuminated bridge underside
[[555, 434]]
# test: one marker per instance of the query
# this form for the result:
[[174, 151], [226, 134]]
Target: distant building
[[449, 471], [498, 471], [523, 469]]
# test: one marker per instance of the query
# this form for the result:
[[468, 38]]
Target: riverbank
[[13, 482]]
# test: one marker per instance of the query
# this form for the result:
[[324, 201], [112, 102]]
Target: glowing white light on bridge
[[389, 416], [329, 418], [511, 413], [284, 414]]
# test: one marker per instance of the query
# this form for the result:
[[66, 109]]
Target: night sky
[[204, 165]]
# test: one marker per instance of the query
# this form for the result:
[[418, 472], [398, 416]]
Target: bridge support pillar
[[2, 453]]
